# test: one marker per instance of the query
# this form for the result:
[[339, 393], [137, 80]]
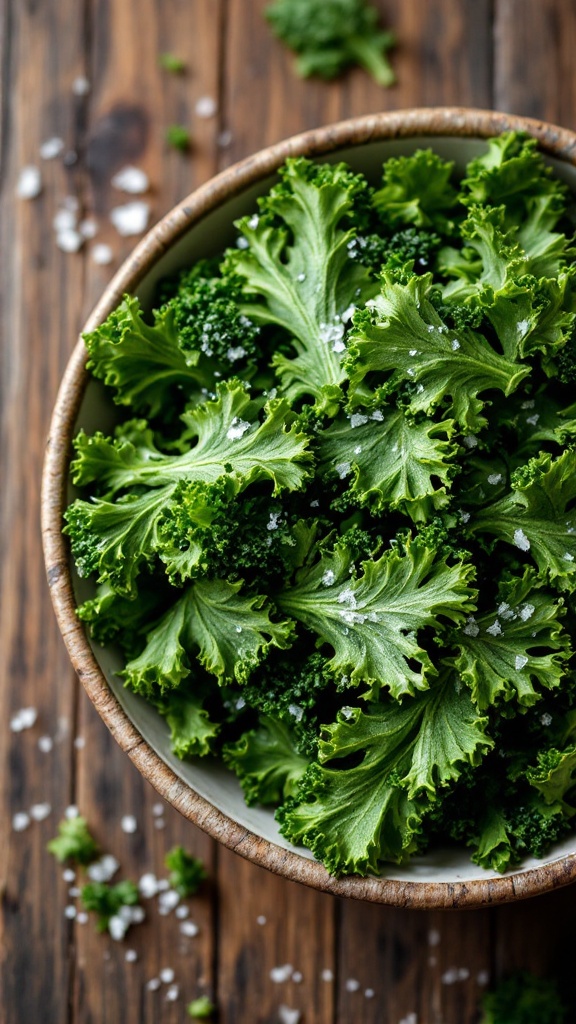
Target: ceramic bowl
[[207, 793]]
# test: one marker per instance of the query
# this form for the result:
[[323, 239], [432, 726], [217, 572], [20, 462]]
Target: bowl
[[207, 794]]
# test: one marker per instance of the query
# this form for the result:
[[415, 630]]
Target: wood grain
[[40, 298]]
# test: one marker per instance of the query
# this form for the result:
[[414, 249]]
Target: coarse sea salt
[[205, 107], [69, 240], [38, 812], [526, 612], [281, 973], [81, 86], [103, 869], [521, 540], [45, 744], [189, 929], [327, 974], [131, 218], [51, 148], [167, 975], [29, 184], [352, 985], [286, 1015], [20, 821], [520, 662], [494, 478], [128, 824], [25, 718], [495, 629], [132, 180], [102, 254]]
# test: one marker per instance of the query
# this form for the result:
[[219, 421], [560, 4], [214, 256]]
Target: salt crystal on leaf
[[526, 612], [237, 429], [494, 478], [521, 540], [520, 662], [495, 629], [357, 419]]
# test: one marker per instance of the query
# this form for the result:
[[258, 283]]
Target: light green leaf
[[520, 642], [354, 818], [300, 275], [416, 190], [266, 762], [143, 363], [192, 732], [395, 461], [536, 517], [221, 437], [372, 621], [404, 337]]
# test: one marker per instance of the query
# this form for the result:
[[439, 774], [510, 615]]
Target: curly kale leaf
[[537, 517], [221, 437], [394, 460], [186, 872], [353, 818], [115, 539], [403, 336], [228, 632], [330, 35], [107, 900], [529, 311], [143, 363], [502, 653], [192, 731], [74, 842], [554, 776], [522, 998], [267, 762], [208, 319], [298, 274], [416, 190], [371, 621]]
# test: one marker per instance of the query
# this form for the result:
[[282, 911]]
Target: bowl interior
[[209, 778]]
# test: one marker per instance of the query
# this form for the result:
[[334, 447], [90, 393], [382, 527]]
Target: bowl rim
[[429, 121]]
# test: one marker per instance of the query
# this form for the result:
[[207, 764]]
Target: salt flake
[[130, 219], [131, 179], [521, 540]]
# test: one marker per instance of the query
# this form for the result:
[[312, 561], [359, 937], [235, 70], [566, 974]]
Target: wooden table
[[515, 55]]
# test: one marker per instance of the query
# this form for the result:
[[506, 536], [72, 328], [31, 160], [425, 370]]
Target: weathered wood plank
[[131, 103], [409, 965], [534, 58], [40, 291], [275, 941]]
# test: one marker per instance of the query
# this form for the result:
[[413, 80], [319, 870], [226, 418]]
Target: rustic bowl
[[208, 794]]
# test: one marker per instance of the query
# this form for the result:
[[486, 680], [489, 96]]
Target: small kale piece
[[142, 362], [523, 998], [179, 137], [207, 316], [267, 762], [186, 872], [74, 842], [108, 901], [201, 1009], [330, 35], [416, 190]]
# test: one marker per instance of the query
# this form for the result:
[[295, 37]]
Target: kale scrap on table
[[334, 532]]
